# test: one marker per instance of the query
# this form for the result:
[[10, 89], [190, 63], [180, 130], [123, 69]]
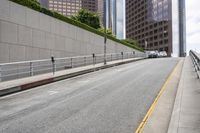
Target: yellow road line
[[152, 108]]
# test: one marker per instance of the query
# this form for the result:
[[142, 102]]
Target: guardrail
[[16, 70], [196, 61]]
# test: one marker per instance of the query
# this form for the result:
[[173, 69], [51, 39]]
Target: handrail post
[[84, 61], [198, 61], [122, 55], [93, 57], [95, 60], [71, 62], [53, 64], [31, 68]]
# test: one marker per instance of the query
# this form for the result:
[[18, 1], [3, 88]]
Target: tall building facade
[[115, 17], [155, 24], [91, 5], [71, 7], [44, 3], [65, 7], [120, 19], [182, 28]]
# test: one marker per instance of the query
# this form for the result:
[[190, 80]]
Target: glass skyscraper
[[157, 24], [115, 17], [182, 27]]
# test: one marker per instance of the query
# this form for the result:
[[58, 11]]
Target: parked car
[[162, 54], [153, 54]]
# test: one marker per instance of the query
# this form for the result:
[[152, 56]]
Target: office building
[[120, 19], [115, 17], [182, 28], [91, 5], [71, 7], [65, 7], [44, 3], [155, 25]]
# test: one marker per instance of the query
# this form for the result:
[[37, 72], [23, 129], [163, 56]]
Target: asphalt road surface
[[113, 100]]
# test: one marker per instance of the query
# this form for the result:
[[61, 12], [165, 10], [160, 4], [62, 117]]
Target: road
[[113, 100]]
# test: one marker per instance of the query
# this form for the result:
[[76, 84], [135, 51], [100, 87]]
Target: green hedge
[[36, 6]]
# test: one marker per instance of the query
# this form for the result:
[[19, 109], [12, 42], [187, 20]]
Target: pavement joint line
[[152, 107]]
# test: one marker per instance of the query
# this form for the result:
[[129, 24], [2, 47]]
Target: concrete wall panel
[[17, 14], [59, 42], [5, 10], [4, 52], [50, 41], [8, 32], [17, 53], [68, 44], [26, 34], [44, 22], [32, 18], [64, 29], [44, 53], [57, 27], [38, 39], [72, 32], [32, 53]]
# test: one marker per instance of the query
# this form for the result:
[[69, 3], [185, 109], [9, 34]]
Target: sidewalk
[[178, 108], [186, 113], [13, 86], [158, 121]]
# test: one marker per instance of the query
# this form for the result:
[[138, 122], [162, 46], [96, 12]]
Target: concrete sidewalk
[[178, 108], [158, 121], [186, 113], [13, 86]]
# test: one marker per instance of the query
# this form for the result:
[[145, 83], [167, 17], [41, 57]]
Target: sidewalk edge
[[173, 125], [30, 85]]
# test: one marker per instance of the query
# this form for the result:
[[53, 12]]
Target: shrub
[[87, 17]]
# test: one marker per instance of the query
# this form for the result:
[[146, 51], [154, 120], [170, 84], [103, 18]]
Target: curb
[[174, 121], [30, 85], [143, 123]]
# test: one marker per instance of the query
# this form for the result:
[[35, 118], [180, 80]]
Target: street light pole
[[145, 44], [105, 36], [105, 39]]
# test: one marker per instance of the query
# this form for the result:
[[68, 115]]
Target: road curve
[[113, 100]]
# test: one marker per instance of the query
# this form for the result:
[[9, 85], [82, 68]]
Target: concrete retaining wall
[[29, 35]]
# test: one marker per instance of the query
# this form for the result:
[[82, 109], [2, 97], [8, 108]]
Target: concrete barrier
[[30, 35]]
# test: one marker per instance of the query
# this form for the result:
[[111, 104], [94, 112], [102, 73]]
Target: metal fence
[[196, 61], [16, 70]]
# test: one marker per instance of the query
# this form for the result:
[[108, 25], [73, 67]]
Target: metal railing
[[196, 61], [16, 70]]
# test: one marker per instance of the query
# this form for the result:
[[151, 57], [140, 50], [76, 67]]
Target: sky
[[193, 25]]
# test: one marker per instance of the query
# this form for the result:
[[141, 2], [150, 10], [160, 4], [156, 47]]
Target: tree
[[87, 17]]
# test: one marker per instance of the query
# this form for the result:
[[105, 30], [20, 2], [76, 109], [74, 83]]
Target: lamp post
[[105, 24], [145, 44]]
